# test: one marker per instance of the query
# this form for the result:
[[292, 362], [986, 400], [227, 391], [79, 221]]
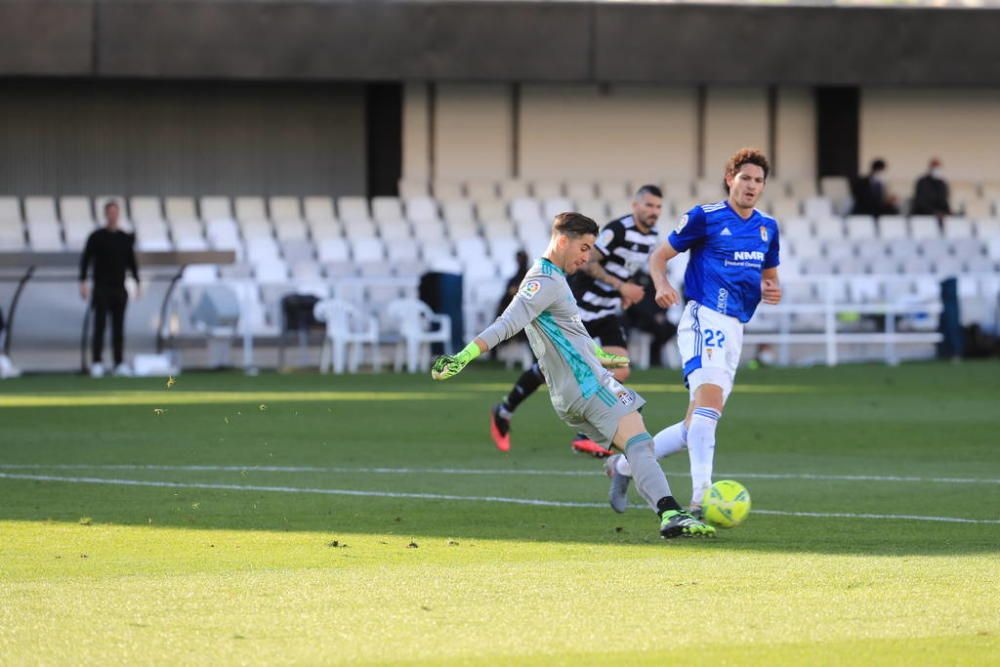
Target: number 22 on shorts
[[714, 338]]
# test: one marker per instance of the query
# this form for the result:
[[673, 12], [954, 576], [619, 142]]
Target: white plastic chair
[[418, 327], [348, 330]]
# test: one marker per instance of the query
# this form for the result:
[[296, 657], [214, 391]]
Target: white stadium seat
[[594, 209], [478, 191], [613, 190], [445, 190], [368, 250], [215, 208], [830, 228], [179, 208], [458, 230], [525, 209], [318, 209], [580, 191], [818, 208], [352, 209], [924, 227], [511, 189], [556, 205], [892, 227], [356, 228], [284, 208], [333, 250], [956, 227], [458, 210], [860, 227], [40, 209], [250, 209], [420, 209], [547, 190], [393, 230], [429, 230], [78, 221], [387, 209]]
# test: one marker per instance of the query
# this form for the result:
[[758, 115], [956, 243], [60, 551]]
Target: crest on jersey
[[680, 224], [763, 234], [530, 289]]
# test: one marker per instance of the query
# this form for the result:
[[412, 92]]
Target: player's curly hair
[[748, 156], [574, 225]]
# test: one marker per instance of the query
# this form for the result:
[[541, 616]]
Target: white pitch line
[[437, 496], [481, 471]]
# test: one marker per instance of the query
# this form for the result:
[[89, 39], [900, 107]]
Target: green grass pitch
[[306, 519]]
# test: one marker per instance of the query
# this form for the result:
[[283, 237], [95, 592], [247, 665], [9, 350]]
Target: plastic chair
[[347, 331], [418, 327]]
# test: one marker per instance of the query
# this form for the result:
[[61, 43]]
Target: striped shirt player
[[603, 289], [584, 393], [625, 246], [733, 264]]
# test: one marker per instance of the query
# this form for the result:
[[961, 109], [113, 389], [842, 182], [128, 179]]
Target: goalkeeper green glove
[[609, 360], [447, 366]]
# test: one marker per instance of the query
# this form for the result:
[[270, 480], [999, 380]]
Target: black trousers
[[109, 300]]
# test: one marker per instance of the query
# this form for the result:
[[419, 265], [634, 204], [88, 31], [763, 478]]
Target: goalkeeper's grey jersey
[[545, 308]]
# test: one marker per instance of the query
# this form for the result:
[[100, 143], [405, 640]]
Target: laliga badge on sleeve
[[681, 223], [530, 289]]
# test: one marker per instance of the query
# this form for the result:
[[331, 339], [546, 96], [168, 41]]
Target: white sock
[[701, 449], [668, 441]]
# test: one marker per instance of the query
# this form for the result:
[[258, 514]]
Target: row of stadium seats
[[218, 224], [832, 187]]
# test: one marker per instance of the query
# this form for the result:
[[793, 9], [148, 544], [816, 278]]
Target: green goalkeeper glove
[[609, 360], [447, 366]]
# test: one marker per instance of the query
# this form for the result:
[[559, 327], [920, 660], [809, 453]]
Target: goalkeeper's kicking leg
[[637, 445]]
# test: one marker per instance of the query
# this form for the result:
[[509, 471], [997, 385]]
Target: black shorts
[[609, 331]]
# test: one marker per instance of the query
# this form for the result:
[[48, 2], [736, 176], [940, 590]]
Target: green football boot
[[677, 523]]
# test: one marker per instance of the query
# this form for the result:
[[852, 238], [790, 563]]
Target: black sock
[[665, 504], [525, 386]]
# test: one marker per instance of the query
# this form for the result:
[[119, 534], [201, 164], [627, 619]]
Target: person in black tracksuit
[[112, 253]]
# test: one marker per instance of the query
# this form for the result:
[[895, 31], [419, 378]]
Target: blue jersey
[[728, 254]]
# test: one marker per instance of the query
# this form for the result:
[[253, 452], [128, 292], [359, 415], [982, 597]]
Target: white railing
[[925, 303]]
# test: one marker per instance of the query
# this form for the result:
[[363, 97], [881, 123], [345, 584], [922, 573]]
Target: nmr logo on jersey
[[749, 255]]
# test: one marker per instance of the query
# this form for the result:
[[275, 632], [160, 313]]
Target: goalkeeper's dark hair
[[574, 225]]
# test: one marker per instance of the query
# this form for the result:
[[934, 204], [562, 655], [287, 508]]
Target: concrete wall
[[512, 41], [587, 132], [92, 137], [567, 132], [472, 132]]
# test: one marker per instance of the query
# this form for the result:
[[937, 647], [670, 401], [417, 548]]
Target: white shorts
[[710, 345]]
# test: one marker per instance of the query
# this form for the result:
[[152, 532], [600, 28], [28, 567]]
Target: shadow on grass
[[334, 516]]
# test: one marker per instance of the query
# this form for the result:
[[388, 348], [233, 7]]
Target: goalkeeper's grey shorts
[[597, 417]]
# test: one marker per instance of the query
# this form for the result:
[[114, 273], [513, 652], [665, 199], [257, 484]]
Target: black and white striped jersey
[[626, 252]]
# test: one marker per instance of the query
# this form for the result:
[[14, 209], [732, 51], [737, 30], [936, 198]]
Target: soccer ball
[[726, 504]]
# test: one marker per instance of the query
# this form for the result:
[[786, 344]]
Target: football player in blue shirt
[[732, 267]]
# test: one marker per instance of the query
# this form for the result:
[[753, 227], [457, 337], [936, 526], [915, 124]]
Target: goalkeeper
[[584, 394]]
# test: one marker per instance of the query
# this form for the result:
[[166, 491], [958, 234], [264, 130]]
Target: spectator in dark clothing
[[645, 315], [930, 195], [512, 286], [871, 197], [112, 252]]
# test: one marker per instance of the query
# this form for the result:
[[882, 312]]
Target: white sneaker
[[96, 370], [123, 370]]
